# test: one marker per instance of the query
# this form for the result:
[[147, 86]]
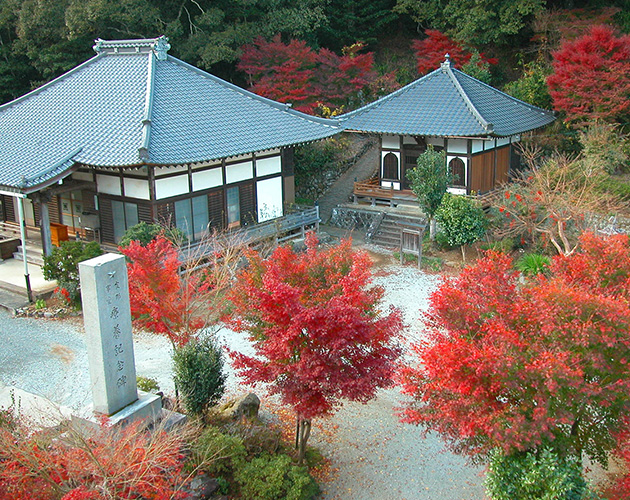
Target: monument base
[[147, 407]]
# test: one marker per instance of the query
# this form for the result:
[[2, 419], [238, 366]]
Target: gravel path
[[373, 456]]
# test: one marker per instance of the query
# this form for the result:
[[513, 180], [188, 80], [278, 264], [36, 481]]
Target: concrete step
[[33, 255], [388, 233]]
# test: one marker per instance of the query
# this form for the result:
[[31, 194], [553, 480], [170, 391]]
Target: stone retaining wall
[[351, 218]]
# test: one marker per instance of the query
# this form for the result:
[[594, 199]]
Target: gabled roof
[[447, 103], [133, 104]]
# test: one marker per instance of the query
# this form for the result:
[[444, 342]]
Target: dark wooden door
[[410, 161]]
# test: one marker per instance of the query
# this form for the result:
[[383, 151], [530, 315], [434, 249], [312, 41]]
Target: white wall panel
[[502, 141], [239, 172], [269, 194], [457, 146], [207, 179], [268, 166], [391, 141], [477, 146], [108, 184], [171, 186], [137, 188]]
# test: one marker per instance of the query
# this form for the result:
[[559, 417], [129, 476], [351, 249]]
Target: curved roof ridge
[[143, 149], [387, 97], [446, 68], [286, 107]]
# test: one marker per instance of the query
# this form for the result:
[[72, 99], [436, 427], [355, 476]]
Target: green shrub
[[434, 264], [275, 478], [532, 475], [531, 264], [144, 233], [218, 453], [616, 186], [40, 304], [198, 374], [462, 220], [147, 384], [62, 265]]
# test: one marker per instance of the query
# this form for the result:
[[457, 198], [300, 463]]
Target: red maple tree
[[514, 365], [317, 329], [430, 52], [311, 80], [591, 78], [162, 299]]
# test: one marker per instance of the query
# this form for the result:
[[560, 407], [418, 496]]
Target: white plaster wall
[[458, 146], [502, 141], [477, 145], [391, 141], [239, 172], [82, 176], [268, 166], [171, 186], [137, 188], [170, 170], [108, 184], [269, 195], [207, 179]]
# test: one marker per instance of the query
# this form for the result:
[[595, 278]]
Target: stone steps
[[33, 255], [388, 233]]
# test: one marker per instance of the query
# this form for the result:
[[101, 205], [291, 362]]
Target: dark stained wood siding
[[145, 212], [166, 214], [53, 210], [216, 210], [248, 204], [107, 223], [482, 172], [9, 208], [503, 165]]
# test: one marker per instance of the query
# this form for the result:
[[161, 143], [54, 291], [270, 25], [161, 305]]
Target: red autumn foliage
[[122, 463], [162, 300], [514, 365], [316, 326], [310, 80], [591, 79], [430, 52]]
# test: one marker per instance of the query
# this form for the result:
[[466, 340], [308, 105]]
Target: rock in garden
[[243, 406]]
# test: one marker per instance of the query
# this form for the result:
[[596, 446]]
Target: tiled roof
[[132, 104], [447, 103]]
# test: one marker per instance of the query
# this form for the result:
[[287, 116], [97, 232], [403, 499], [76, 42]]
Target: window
[[233, 207], [458, 171], [390, 166], [124, 215], [191, 216], [71, 209]]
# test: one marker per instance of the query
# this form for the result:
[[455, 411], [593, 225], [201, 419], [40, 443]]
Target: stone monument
[[107, 320]]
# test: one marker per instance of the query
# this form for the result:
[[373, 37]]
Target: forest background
[[510, 42]]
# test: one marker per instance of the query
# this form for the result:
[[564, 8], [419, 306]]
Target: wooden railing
[[372, 189], [276, 230]]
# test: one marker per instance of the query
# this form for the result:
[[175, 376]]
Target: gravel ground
[[373, 456]]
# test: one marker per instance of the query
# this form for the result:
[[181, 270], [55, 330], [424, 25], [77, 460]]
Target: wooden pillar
[[44, 221]]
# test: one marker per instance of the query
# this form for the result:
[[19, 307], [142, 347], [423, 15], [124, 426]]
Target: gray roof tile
[[94, 115], [447, 103]]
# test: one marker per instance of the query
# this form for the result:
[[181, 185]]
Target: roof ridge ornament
[[447, 62], [159, 46]]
